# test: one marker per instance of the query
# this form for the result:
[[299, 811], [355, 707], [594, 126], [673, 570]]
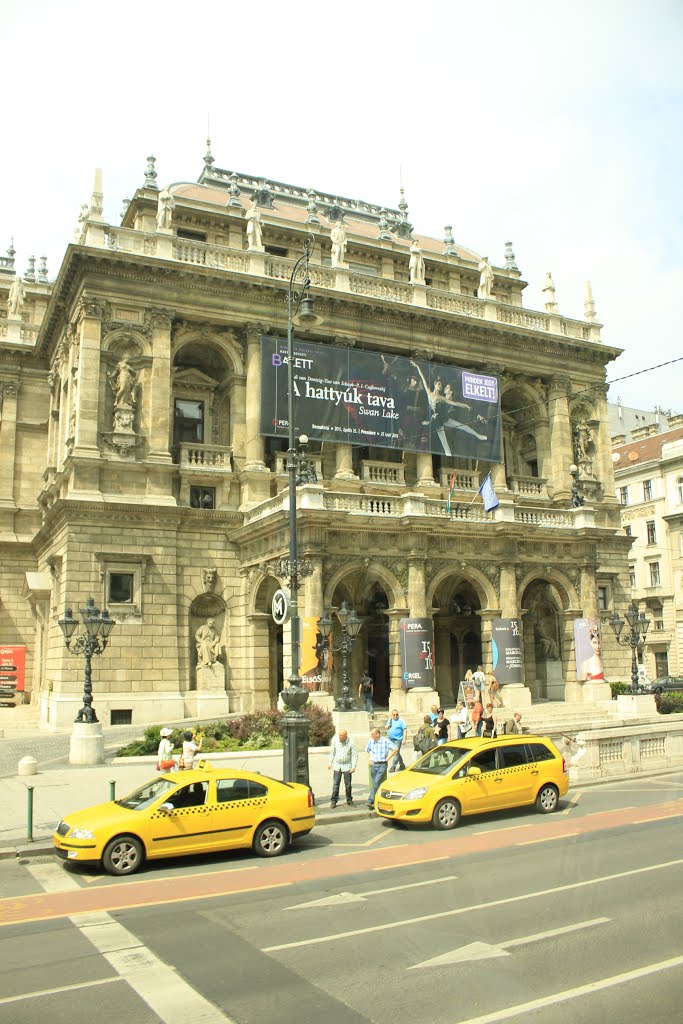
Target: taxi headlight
[[82, 833], [415, 794]]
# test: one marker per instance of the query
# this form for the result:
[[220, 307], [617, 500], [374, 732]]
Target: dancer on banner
[[442, 403]]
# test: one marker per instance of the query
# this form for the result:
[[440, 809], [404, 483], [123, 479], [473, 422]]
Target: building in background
[[138, 464], [649, 480]]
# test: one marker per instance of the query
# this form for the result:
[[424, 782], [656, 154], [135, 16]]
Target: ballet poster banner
[[506, 650], [417, 652], [368, 398]]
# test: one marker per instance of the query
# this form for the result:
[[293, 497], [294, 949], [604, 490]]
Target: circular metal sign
[[280, 607]]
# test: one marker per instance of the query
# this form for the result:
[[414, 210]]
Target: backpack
[[500, 729]]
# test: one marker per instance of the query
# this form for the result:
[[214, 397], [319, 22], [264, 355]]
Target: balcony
[[390, 473], [529, 486], [204, 458]]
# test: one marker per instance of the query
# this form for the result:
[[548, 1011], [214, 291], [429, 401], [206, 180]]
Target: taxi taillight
[[311, 801]]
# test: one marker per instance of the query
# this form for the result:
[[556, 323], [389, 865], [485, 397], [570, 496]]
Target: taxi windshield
[[146, 795], [440, 760]]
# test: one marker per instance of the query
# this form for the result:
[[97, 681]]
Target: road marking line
[[660, 817], [369, 842], [548, 839], [53, 877], [507, 828], [477, 906], [574, 993], [572, 804], [410, 863], [360, 897], [61, 988]]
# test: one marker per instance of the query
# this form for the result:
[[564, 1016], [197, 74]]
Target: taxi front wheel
[[446, 814], [547, 800], [270, 839], [123, 855]]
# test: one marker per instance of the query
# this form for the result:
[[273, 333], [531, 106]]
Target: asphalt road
[[570, 917]]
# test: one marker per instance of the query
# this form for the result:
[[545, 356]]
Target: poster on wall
[[367, 398], [506, 650], [417, 657], [588, 651], [315, 655], [13, 666]]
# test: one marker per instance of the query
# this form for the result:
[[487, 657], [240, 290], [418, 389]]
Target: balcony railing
[[212, 458], [383, 472], [529, 486]]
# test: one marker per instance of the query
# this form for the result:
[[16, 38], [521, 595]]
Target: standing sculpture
[[17, 295], [338, 236], [416, 267], [485, 290], [583, 439], [165, 209], [254, 228], [208, 645], [123, 381], [549, 292]]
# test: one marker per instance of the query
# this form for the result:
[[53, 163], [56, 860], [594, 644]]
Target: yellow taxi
[[471, 776], [199, 811]]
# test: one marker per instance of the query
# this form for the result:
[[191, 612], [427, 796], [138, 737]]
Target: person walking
[[442, 728], [476, 713], [165, 761], [343, 761], [396, 731], [379, 750], [433, 713], [493, 690], [479, 683], [514, 725], [488, 722], [366, 692], [424, 739], [462, 720]]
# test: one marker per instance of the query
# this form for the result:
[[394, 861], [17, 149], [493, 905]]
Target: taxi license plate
[[384, 807]]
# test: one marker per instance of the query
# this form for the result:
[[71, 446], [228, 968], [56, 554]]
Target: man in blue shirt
[[379, 750], [396, 731]]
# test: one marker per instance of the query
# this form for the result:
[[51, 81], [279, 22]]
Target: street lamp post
[[634, 637], [92, 641], [350, 628], [300, 312]]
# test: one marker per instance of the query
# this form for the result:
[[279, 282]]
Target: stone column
[[561, 454], [603, 465], [517, 693], [395, 676], [313, 591], [425, 469], [88, 384], [8, 436], [344, 463], [254, 446], [589, 590], [416, 588], [160, 387]]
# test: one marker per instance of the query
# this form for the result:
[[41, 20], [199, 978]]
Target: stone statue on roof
[[338, 236], [254, 228], [16, 297], [549, 292], [485, 290], [416, 266], [82, 218], [165, 209]]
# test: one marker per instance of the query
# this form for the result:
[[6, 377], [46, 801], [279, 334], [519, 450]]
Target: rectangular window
[[647, 490], [679, 487], [628, 531], [603, 599], [202, 497], [658, 624], [632, 576], [122, 716], [188, 421], [623, 495], [192, 236], [655, 578], [120, 588], [276, 250], [661, 664], [651, 532]]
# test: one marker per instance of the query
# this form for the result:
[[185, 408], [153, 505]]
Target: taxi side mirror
[[167, 807], [474, 771]]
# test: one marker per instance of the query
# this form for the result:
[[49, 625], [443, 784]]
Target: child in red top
[[476, 715]]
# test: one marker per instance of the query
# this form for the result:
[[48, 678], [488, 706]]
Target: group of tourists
[[166, 762]]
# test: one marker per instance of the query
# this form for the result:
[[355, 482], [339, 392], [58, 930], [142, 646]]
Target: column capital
[[161, 319], [89, 306], [559, 387], [254, 331]]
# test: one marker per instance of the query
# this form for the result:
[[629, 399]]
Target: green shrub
[[669, 703], [619, 688], [321, 728]]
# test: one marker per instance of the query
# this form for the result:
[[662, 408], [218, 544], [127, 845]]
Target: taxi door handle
[[534, 771], [497, 780]]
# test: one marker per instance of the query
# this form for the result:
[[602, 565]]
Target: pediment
[[192, 378]]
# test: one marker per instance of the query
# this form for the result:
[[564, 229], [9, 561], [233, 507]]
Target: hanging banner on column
[[316, 655], [13, 665], [358, 397], [417, 657], [588, 651], [506, 650]]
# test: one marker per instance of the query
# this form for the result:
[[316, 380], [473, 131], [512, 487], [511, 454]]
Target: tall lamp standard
[[92, 641], [634, 637], [300, 312], [350, 628]]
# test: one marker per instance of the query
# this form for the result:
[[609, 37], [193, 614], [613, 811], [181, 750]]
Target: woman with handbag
[[488, 722], [165, 762]]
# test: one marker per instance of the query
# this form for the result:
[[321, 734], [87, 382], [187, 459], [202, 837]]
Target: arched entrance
[[268, 641], [543, 640], [375, 633], [457, 634]]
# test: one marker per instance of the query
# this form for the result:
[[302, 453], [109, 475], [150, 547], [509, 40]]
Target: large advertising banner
[[315, 655], [13, 665], [506, 650], [417, 657], [367, 398], [588, 651]]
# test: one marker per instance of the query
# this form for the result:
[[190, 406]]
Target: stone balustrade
[[464, 480], [217, 257], [313, 460], [624, 751], [530, 486], [383, 472], [213, 457], [545, 517]]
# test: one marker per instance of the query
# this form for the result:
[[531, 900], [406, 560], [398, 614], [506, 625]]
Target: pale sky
[[556, 125]]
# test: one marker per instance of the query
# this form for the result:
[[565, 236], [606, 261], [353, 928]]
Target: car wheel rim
[[448, 814], [124, 857], [548, 799], [272, 839]]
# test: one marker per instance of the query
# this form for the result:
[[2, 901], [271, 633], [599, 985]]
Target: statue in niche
[[485, 279], [165, 209], [254, 228], [583, 439], [123, 381], [547, 647], [416, 267], [17, 295], [208, 645], [338, 236]]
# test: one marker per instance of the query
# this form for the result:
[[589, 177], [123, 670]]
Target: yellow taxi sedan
[[471, 776], [204, 810]]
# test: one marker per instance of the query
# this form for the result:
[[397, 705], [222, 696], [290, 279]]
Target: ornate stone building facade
[[133, 467]]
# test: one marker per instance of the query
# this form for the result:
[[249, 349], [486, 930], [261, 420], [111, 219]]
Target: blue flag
[[488, 494]]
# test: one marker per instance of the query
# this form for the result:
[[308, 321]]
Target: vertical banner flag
[[506, 650], [417, 657], [315, 655], [588, 651], [488, 494]]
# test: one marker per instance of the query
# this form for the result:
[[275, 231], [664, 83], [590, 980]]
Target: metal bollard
[[29, 820], [112, 789]]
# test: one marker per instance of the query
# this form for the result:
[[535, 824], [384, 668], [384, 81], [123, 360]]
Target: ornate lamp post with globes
[[350, 628], [634, 637]]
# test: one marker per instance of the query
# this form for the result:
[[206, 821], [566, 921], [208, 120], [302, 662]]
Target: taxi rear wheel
[[271, 839], [446, 814], [547, 799], [123, 855]]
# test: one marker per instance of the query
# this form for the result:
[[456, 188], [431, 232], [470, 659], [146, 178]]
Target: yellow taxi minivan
[[204, 810], [472, 776]]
